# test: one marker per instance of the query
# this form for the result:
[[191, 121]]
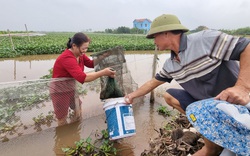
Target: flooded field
[[50, 140]]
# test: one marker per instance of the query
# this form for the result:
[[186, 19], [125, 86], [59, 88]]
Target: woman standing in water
[[70, 64]]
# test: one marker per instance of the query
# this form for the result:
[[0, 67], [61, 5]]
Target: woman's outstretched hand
[[109, 72]]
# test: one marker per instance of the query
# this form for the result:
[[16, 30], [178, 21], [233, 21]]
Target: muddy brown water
[[49, 141]]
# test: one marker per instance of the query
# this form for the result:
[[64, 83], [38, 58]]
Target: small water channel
[[50, 140]]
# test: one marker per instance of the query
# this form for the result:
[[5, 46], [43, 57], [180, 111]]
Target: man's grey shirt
[[208, 63]]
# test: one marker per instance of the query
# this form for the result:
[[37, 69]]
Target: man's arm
[[143, 90], [239, 94]]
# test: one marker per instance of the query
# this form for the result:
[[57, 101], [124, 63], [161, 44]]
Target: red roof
[[142, 19]]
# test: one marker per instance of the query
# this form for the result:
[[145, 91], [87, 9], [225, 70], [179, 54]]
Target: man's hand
[[128, 99], [236, 95]]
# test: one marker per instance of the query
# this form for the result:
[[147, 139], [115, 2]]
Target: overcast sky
[[98, 15]]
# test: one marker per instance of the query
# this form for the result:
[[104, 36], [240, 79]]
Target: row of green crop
[[55, 43]]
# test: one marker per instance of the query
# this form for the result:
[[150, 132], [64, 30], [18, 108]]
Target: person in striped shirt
[[206, 64]]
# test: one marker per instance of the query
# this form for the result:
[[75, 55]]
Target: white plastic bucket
[[120, 118]]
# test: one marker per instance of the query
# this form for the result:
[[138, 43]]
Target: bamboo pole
[[14, 69], [11, 42], [27, 32], [152, 98]]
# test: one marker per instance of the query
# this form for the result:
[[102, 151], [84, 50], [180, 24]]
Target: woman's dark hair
[[78, 39]]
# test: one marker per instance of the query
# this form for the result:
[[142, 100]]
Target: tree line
[[241, 31], [126, 30]]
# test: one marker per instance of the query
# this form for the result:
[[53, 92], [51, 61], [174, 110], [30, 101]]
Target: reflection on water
[[51, 140], [26, 67], [65, 136], [36, 66]]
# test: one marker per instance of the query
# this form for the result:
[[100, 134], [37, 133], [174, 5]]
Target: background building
[[143, 24]]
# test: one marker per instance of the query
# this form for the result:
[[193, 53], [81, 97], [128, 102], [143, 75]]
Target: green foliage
[[105, 134], [6, 32], [16, 99], [55, 43], [243, 31], [124, 30], [42, 119], [100, 147], [136, 31], [163, 110], [199, 28], [109, 31], [168, 126], [227, 31], [48, 76]]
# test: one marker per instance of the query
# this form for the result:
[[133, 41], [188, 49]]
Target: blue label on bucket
[[120, 121], [112, 122]]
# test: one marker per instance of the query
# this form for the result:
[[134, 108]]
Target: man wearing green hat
[[205, 64]]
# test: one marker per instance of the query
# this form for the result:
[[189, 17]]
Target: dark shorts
[[182, 96]]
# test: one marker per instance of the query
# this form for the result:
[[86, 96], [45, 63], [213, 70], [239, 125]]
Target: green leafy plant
[[163, 110], [48, 76], [105, 134], [102, 146], [54, 43], [107, 148], [41, 119]]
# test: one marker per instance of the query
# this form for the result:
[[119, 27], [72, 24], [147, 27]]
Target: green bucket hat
[[165, 22]]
